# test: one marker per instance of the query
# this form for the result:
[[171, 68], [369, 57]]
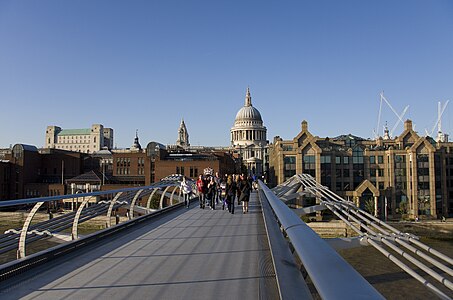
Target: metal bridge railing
[[168, 188], [392, 243], [331, 275]]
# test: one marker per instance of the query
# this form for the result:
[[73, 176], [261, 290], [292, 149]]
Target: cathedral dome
[[248, 113]]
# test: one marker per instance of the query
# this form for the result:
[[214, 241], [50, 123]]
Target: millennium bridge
[[175, 252]]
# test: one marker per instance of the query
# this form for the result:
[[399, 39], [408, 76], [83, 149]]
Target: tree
[[369, 206]]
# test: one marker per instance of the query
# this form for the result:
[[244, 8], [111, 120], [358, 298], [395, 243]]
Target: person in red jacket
[[202, 189]]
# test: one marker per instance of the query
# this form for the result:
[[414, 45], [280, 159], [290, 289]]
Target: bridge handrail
[[16, 267], [70, 196], [332, 276]]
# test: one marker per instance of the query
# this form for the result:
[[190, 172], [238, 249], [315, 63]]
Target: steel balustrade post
[[75, 223], [131, 208], [109, 212], [23, 233], [161, 203], [172, 193], [148, 203]]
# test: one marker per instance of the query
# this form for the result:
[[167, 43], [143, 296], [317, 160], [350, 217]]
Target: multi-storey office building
[[86, 140], [408, 174]]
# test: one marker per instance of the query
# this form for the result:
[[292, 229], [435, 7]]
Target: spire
[[183, 135], [136, 145], [248, 98]]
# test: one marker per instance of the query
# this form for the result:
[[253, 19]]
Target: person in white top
[[186, 191]]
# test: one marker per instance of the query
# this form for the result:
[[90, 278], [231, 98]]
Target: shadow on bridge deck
[[186, 254]]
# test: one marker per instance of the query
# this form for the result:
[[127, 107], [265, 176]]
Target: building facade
[[406, 175], [151, 164], [87, 140], [249, 138], [28, 172]]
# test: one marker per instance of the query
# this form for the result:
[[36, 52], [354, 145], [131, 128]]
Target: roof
[[348, 137], [27, 147], [86, 131], [90, 176]]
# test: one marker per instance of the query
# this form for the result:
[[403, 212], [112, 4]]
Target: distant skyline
[[145, 65]]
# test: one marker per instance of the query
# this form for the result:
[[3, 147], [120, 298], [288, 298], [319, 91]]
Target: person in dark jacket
[[238, 186], [245, 194], [212, 191], [230, 192]]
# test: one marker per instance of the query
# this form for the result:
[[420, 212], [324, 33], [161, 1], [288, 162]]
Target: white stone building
[[249, 138], [87, 140]]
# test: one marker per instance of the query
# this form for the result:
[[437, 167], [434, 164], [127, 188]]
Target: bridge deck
[[188, 254]]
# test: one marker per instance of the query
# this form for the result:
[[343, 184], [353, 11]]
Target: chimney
[[408, 125], [304, 125]]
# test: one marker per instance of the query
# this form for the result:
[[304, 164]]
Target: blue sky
[[146, 64]]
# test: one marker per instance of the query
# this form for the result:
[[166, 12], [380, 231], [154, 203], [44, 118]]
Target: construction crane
[[399, 116], [441, 137]]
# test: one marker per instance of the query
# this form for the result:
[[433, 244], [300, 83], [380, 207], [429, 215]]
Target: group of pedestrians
[[222, 190]]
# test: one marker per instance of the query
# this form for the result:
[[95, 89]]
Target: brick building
[[406, 175], [27, 172], [145, 166]]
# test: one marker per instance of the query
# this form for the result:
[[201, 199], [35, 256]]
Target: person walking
[[245, 194], [212, 191], [223, 193], [239, 187], [186, 191], [218, 193], [201, 188], [230, 192]]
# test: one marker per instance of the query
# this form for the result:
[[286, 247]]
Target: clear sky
[[146, 64]]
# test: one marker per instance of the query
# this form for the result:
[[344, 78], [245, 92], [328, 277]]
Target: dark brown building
[[28, 172]]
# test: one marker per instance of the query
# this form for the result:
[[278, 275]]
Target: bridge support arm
[[23, 234], [308, 210]]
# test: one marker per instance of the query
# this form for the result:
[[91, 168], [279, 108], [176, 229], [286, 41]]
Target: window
[[338, 160], [287, 148], [380, 159], [289, 168], [372, 159], [357, 155], [325, 159], [345, 160], [309, 165]]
